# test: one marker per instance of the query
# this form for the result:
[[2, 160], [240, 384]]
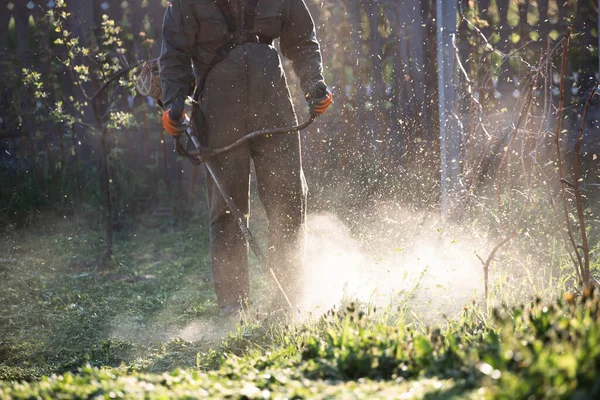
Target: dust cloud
[[399, 260], [408, 262]]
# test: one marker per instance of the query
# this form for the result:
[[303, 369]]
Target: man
[[241, 87]]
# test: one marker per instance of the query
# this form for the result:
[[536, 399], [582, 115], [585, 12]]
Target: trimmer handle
[[205, 153]]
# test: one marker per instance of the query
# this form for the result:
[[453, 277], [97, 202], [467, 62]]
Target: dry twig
[[585, 248], [559, 125], [488, 261]]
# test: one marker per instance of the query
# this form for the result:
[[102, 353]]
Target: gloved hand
[[319, 99], [173, 118]]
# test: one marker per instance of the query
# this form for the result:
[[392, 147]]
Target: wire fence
[[380, 60]]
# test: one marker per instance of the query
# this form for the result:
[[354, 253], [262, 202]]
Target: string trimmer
[[149, 85]]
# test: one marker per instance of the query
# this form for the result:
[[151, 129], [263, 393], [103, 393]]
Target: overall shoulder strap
[[250, 15], [225, 8], [237, 37]]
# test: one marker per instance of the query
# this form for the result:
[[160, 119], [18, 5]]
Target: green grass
[[59, 314], [148, 327]]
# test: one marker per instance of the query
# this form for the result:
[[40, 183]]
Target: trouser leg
[[281, 186], [229, 249], [282, 190], [224, 107]]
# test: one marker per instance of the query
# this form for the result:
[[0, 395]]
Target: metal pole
[[449, 134], [442, 104], [242, 223]]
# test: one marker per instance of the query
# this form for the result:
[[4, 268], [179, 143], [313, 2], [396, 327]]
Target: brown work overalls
[[246, 91]]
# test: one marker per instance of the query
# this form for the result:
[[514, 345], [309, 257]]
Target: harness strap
[[223, 6], [237, 37], [250, 15]]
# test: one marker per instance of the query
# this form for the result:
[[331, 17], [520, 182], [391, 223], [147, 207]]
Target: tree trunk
[[523, 25], [105, 185], [411, 69], [163, 146], [179, 164], [360, 98], [504, 29], [21, 19], [544, 27], [107, 212], [483, 10], [78, 185], [4, 21], [587, 67], [192, 185], [431, 112]]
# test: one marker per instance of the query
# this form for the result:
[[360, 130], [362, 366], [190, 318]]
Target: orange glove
[[174, 126], [319, 99]]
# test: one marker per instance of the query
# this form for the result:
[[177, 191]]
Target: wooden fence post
[[450, 135]]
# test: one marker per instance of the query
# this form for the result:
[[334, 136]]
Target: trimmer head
[[148, 82]]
